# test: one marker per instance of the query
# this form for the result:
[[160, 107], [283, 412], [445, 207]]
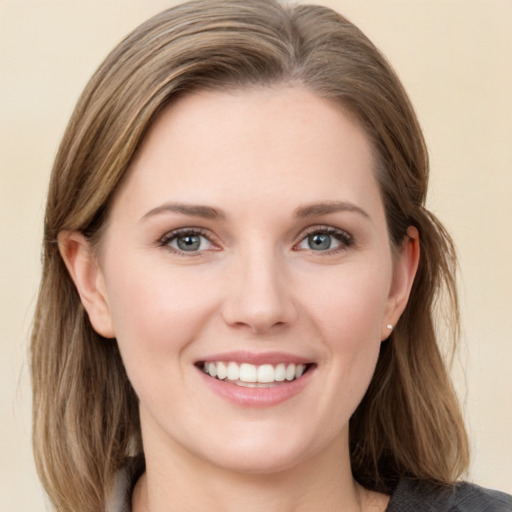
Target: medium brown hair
[[85, 410]]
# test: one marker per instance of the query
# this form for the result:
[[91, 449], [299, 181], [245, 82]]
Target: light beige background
[[454, 57]]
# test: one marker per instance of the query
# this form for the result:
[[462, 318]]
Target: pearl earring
[[390, 327]]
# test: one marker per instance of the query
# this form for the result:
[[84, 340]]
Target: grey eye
[[327, 240], [319, 241], [189, 242]]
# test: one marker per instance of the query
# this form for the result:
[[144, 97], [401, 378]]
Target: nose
[[259, 294]]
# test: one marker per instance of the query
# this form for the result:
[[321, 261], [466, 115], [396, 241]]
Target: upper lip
[[241, 356]]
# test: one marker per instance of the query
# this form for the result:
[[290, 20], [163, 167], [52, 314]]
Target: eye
[[187, 241], [325, 240]]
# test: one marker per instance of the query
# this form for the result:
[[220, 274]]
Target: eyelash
[[344, 238], [173, 235]]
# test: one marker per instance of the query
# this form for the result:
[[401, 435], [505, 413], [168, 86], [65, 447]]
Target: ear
[[404, 270], [83, 267]]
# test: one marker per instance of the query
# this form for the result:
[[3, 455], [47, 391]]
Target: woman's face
[[249, 243]]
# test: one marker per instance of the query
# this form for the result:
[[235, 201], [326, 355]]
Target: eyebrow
[[324, 208], [193, 210], [209, 212]]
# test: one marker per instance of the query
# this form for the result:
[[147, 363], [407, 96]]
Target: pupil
[[189, 242], [319, 241]]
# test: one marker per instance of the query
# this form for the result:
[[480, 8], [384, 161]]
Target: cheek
[[351, 307], [349, 318], [156, 318], [155, 312]]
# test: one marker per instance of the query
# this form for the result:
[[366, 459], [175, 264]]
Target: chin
[[258, 463], [258, 453]]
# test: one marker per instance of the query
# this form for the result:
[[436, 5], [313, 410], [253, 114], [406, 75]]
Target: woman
[[237, 305]]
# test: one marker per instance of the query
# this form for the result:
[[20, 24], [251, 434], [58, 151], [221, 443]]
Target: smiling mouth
[[254, 376]]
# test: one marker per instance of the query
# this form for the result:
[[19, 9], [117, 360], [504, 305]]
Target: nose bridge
[[259, 293]]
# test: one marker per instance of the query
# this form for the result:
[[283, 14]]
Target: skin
[[255, 284]]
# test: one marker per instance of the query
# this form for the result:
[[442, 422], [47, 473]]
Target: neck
[[324, 482]]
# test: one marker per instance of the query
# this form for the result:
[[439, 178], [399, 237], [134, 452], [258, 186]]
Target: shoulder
[[422, 496]]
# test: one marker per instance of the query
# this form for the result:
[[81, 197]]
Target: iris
[[189, 242], [319, 241]]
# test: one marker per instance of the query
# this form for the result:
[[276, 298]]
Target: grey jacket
[[420, 496], [409, 496]]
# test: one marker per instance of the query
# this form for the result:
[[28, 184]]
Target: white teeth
[[280, 372], [266, 373], [250, 374], [290, 372], [212, 369], [222, 371], [254, 384], [233, 371]]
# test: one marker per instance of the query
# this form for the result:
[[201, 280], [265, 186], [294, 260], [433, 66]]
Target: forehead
[[252, 146]]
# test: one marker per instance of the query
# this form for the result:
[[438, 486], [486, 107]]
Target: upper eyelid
[[184, 231], [323, 228]]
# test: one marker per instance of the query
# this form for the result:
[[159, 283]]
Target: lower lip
[[256, 397]]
